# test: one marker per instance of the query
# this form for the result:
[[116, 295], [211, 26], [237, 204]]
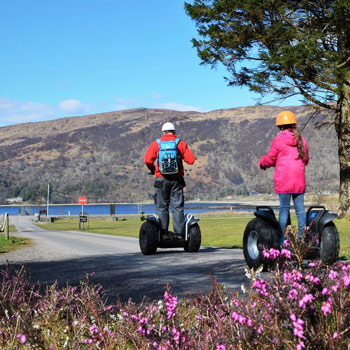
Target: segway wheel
[[258, 235], [194, 239], [148, 238], [329, 249]]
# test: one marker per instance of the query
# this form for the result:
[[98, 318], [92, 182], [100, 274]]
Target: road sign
[[83, 218], [82, 200]]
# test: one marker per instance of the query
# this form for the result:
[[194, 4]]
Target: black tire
[[329, 249], [258, 235], [148, 238], [194, 239]]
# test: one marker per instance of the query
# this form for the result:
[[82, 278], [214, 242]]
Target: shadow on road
[[135, 276]]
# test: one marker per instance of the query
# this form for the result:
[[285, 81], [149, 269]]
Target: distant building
[[14, 200]]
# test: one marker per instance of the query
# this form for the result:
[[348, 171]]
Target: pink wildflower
[[272, 254], [313, 279], [108, 307], [297, 275], [141, 330], [333, 274], [220, 347], [176, 335], [300, 345], [293, 294], [286, 253], [345, 268], [298, 325], [307, 298], [265, 253], [22, 338], [335, 287], [93, 329], [346, 280], [238, 318], [327, 307], [260, 329], [171, 303], [325, 291], [260, 286]]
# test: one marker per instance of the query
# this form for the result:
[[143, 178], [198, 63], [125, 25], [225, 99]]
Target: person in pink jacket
[[289, 155]]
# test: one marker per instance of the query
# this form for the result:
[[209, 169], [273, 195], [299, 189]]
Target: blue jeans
[[298, 200]]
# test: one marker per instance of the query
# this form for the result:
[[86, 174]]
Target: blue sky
[[63, 58]]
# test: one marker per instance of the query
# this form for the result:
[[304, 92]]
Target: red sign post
[[82, 201]]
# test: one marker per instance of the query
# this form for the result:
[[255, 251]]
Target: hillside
[[101, 156]]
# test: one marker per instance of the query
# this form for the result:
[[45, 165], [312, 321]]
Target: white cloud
[[73, 107], [14, 112], [179, 107], [154, 102]]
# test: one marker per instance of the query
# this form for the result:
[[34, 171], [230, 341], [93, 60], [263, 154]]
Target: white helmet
[[168, 127]]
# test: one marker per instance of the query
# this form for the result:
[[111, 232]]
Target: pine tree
[[284, 48]]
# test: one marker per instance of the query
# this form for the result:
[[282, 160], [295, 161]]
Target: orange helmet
[[285, 118]]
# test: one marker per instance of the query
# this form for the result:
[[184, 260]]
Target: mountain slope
[[101, 156]]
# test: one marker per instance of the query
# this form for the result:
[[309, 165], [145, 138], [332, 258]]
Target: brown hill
[[101, 156]]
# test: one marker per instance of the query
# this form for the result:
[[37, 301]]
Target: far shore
[[255, 200]]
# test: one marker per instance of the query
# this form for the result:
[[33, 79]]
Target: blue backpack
[[168, 158]]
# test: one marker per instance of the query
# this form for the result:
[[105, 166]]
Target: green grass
[[12, 228], [343, 226], [217, 231], [129, 227], [13, 242]]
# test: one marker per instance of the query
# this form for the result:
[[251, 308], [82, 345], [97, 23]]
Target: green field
[[217, 231]]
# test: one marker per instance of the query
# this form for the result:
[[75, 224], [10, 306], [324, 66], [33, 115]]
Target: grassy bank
[[217, 231], [13, 242]]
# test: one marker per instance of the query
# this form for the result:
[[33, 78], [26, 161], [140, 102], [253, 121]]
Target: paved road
[[117, 263]]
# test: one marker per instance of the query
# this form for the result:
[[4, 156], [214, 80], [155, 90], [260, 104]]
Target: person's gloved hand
[[262, 167]]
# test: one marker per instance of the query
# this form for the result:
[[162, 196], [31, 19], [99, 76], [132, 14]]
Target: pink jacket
[[289, 173]]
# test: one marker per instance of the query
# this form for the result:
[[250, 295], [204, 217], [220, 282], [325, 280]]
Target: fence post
[[6, 230]]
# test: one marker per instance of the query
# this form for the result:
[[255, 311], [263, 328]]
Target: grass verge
[[13, 242]]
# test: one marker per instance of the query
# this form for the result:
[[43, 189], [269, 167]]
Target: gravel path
[[117, 263]]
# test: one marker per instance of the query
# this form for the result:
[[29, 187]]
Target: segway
[[150, 237], [264, 232]]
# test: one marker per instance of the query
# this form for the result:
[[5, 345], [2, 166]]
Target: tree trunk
[[342, 127]]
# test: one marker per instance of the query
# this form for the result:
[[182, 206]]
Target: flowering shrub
[[294, 308]]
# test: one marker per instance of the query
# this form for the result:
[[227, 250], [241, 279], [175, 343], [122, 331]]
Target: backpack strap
[[177, 141], [158, 141]]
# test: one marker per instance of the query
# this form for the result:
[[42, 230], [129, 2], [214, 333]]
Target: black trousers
[[169, 192]]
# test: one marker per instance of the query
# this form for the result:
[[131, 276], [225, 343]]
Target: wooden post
[[6, 230]]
